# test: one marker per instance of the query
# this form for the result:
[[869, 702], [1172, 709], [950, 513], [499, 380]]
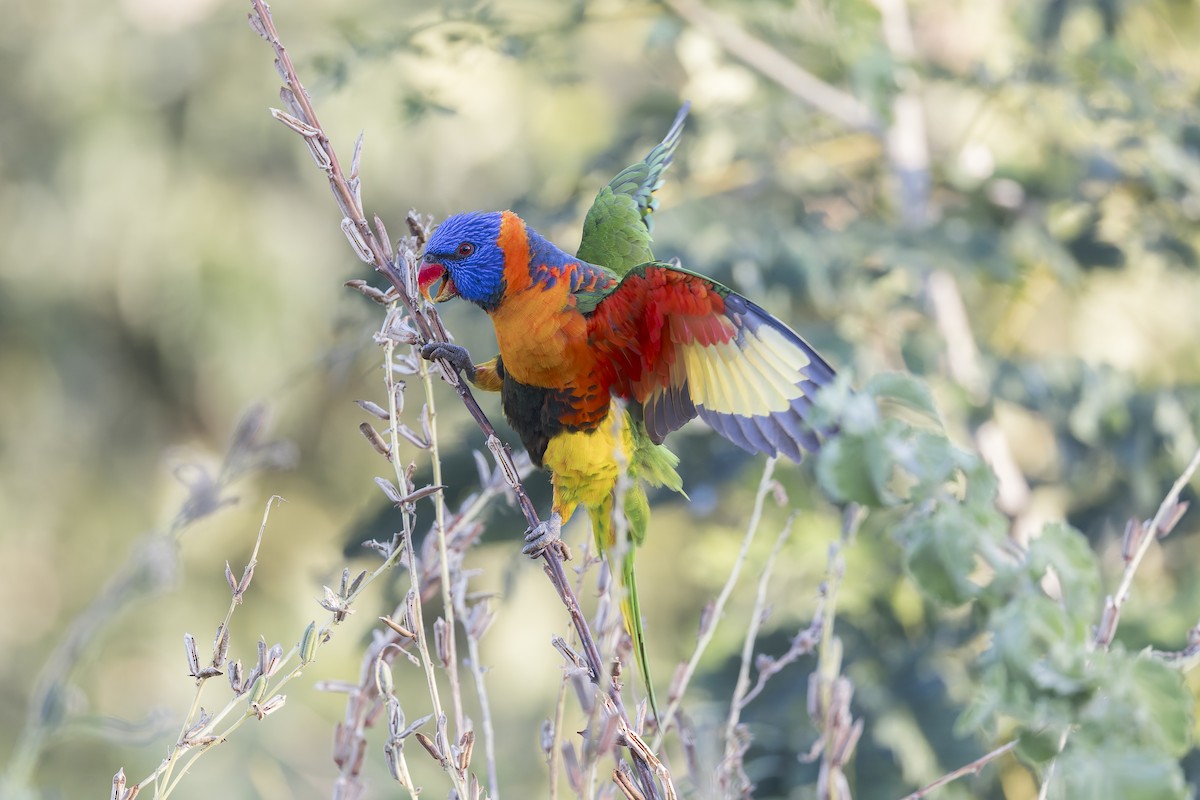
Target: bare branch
[[967, 769], [712, 616], [840, 105]]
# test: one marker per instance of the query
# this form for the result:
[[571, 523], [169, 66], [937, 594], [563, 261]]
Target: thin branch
[[1168, 514], [415, 604], [390, 640], [775, 65], [150, 569], [803, 643], [448, 602], [829, 691], [712, 615], [967, 769], [734, 749], [1138, 539], [237, 590], [475, 621], [757, 615], [1188, 658]]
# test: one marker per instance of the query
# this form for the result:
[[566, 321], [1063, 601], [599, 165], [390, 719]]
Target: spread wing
[[616, 231], [683, 345]]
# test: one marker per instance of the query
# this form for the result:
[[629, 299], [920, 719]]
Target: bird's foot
[[547, 534], [453, 354]]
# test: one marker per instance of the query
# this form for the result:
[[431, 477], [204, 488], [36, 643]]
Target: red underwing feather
[[683, 346]]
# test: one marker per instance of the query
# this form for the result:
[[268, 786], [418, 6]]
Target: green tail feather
[[655, 465], [637, 512], [631, 611]]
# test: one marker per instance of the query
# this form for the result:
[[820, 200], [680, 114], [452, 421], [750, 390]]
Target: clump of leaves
[[1041, 674]]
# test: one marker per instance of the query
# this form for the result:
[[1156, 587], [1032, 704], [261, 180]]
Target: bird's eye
[[466, 248]]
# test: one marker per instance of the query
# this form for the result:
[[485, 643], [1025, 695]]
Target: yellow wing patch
[[760, 377]]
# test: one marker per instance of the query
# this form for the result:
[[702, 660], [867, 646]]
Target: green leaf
[[1065, 550], [931, 459], [1043, 652], [981, 485], [940, 553], [1036, 747], [1141, 700], [856, 468], [903, 388], [984, 706], [1116, 772], [1166, 705]]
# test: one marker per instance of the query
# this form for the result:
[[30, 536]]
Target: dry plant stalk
[[151, 569], [712, 614], [372, 245], [830, 692], [369, 698]]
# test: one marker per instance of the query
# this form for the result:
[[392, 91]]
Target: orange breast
[[542, 338]]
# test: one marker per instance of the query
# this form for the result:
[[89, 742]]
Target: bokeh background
[[169, 256]]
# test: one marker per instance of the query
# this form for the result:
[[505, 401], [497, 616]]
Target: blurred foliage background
[[168, 256]]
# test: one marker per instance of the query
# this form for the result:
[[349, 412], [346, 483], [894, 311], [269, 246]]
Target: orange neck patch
[[514, 243]]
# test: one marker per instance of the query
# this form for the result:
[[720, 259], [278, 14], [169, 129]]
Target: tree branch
[[840, 105]]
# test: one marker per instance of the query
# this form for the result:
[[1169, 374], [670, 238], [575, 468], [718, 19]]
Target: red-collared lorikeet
[[604, 353]]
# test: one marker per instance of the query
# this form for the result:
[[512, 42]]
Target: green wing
[[616, 231]]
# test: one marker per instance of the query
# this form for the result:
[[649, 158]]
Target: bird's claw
[[547, 534], [455, 355]]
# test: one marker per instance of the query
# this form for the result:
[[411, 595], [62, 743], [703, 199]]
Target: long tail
[[637, 513], [631, 612]]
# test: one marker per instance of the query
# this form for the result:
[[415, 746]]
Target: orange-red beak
[[436, 283]]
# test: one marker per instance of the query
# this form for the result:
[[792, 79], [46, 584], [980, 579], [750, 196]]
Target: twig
[[554, 745], [829, 691], [250, 693], [803, 643], [742, 686], [712, 615], [415, 605], [733, 750], [1138, 539], [1188, 658], [775, 65], [364, 703], [967, 769], [238, 591], [151, 569], [1164, 520], [448, 601], [475, 622]]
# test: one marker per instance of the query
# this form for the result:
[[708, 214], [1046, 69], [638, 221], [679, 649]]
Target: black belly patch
[[533, 412]]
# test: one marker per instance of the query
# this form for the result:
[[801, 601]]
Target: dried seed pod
[[430, 747], [383, 678], [377, 441], [220, 645], [441, 642], [258, 691], [308, 643], [193, 657], [374, 408]]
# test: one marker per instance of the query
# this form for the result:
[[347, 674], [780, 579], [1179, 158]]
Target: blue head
[[464, 258]]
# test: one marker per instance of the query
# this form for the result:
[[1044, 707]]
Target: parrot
[[604, 353]]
